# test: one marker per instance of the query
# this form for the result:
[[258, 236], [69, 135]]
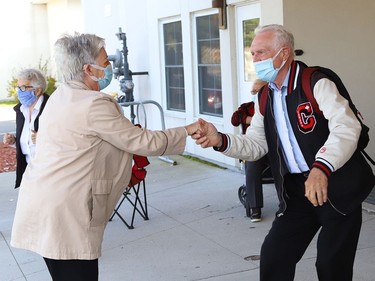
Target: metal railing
[[142, 103]]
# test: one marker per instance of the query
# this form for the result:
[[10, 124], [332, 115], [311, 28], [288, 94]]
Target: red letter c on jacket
[[305, 117]]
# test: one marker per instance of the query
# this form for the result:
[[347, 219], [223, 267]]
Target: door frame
[[245, 12]]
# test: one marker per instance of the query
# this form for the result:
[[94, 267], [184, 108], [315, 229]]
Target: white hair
[[36, 78], [282, 35], [72, 52]]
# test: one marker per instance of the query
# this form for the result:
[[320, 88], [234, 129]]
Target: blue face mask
[[265, 70], [26, 98], [106, 80]]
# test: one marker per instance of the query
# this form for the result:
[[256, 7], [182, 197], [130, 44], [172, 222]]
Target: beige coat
[[81, 167]]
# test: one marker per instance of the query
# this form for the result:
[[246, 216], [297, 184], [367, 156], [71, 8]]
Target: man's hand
[[316, 187], [192, 128], [9, 139], [207, 135]]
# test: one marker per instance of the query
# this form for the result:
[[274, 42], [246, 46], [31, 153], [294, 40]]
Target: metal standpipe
[[142, 103], [121, 69]]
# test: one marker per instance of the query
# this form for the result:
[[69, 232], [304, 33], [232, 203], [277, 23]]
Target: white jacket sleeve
[[251, 146], [343, 125]]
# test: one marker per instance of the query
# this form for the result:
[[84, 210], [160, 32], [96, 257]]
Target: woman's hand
[[33, 136], [9, 138]]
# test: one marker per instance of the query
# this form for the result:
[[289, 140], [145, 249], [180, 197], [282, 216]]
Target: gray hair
[[36, 78], [72, 52], [282, 35]]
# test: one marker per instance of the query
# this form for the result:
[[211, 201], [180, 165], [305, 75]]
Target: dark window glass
[[209, 68], [174, 72]]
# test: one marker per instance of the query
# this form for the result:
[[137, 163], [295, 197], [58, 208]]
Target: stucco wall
[[339, 34]]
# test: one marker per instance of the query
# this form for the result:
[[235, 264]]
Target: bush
[[43, 67]]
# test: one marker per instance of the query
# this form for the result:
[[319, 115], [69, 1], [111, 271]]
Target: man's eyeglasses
[[24, 88]]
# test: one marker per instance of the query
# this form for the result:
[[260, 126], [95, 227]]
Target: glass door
[[248, 18]]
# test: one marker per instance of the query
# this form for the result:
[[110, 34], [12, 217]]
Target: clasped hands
[[204, 133]]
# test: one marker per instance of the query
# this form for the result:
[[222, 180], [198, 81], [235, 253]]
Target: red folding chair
[[132, 192]]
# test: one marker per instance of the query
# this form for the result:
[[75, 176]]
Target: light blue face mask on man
[[265, 69], [27, 97], [108, 74]]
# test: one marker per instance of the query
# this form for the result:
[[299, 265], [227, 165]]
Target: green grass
[[202, 161], [8, 103]]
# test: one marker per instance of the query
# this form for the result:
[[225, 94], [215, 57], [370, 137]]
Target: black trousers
[[291, 234], [73, 270], [253, 173]]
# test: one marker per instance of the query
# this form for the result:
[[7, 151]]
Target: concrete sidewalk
[[7, 113], [197, 231]]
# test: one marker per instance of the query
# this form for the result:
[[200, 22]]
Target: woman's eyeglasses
[[24, 88]]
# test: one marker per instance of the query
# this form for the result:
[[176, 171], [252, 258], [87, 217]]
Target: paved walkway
[[7, 113], [197, 231]]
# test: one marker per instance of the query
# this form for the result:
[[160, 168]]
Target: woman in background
[[31, 85], [254, 170]]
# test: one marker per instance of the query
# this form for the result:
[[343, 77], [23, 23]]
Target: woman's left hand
[[33, 136]]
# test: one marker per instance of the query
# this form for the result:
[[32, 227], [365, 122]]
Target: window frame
[[197, 101], [163, 67]]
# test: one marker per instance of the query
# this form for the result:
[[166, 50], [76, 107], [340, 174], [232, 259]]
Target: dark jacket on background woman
[[20, 121]]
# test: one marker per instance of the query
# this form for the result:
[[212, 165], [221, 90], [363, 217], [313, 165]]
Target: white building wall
[[64, 16], [29, 29], [105, 19], [25, 39]]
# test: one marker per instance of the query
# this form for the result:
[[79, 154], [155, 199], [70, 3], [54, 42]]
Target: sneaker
[[255, 215]]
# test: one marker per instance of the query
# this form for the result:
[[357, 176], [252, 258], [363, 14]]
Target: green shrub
[[43, 67]]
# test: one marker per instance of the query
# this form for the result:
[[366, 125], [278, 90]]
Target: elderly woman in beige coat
[[82, 164]]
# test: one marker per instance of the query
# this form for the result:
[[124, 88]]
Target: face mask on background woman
[[27, 97]]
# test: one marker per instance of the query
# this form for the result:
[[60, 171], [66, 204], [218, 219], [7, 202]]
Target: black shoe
[[255, 215]]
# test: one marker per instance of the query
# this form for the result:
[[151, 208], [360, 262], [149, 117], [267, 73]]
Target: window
[[249, 27], [174, 71], [209, 68]]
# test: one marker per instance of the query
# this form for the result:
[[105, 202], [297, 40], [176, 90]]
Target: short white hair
[[282, 35], [72, 52], [35, 76]]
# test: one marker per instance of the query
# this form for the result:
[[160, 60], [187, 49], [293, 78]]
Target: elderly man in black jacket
[[320, 175]]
